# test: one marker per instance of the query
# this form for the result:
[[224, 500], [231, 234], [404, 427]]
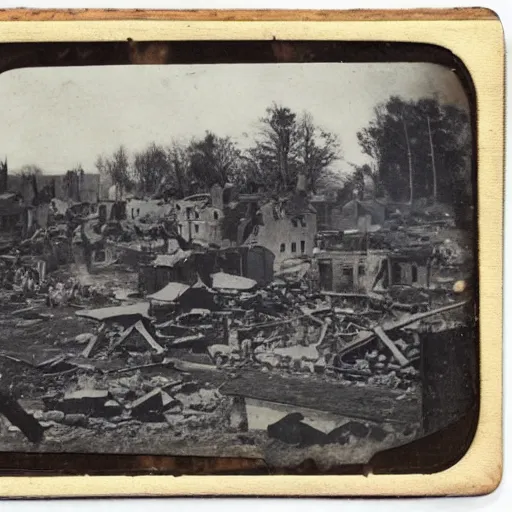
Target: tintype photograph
[[272, 261]]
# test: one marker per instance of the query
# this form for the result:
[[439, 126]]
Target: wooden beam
[[13, 411], [402, 360]]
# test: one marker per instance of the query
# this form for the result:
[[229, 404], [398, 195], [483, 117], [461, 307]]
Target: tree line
[[287, 144], [416, 149], [419, 149]]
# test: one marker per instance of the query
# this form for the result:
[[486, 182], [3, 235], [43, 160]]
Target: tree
[[275, 150], [30, 170], [316, 151], [213, 160], [179, 162], [421, 149], [150, 167], [115, 170], [289, 145]]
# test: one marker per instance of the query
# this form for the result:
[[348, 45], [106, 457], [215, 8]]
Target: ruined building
[[287, 228], [199, 217], [71, 187]]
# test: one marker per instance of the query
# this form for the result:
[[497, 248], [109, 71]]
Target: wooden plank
[[23, 310], [366, 336], [15, 413], [407, 320], [402, 360], [309, 314], [87, 350], [274, 323], [151, 341], [16, 359], [323, 332]]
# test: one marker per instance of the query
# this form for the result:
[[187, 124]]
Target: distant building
[[199, 217], [357, 265], [287, 229], [410, 268], [253, 262], [327, 207], [13, 214], [361, 215], [350, 271], [140, 208], [111, 210], [73, 186]]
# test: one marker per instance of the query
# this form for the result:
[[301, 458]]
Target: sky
[[57, 118]]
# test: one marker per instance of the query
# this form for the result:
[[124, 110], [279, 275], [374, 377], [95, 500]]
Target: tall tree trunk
[[283, 168], [409, 156], [179, 178], [434, 173]]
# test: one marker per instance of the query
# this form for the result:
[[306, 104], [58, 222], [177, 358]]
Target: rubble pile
[[345, 337], [170, 355], [112, 401]]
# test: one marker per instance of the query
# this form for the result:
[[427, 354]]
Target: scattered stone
[[133, 383], [319, 366], [295, 365], [206, 400], [188, 387], [119, 392], [371, 356], [38, 415], [75, 420], [307, 366], [85, 401], [57, 416], [412, 353], [344, 433], [112, 408], [158, 381], [102, 423], [189, 414], [149, 407], [362, 364], [117, 419], [173, 412], [168, 402], [86, 337], [157, 357], [13, 428], [107, 425], [401, 345], [378, 434], [291, 430]]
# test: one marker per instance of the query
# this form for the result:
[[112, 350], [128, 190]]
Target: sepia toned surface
[[247, 15]]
